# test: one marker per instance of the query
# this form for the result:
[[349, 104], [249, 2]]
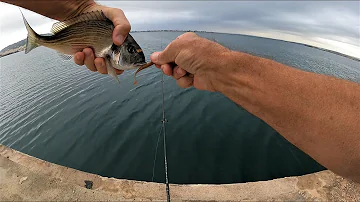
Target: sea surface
[[63, 113]]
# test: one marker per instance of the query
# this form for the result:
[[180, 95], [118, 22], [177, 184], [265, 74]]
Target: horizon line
[[306, 44], [219, 32]]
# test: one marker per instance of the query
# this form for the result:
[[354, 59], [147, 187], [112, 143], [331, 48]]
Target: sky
[[333, 25]]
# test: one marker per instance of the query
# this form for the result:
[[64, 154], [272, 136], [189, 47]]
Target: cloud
[[328, 24], [12, 28]]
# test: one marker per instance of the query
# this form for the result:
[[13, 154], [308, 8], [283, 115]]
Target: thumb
[[120, 33], [169, 55], [156, 58], [121, 23]]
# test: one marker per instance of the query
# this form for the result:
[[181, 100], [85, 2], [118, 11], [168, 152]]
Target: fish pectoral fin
[[65, 56], [111, 70]]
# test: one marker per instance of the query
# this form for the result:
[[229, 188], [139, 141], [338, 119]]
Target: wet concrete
[[26, 178]]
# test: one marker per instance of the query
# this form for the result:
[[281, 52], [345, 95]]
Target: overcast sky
[[329, 24]]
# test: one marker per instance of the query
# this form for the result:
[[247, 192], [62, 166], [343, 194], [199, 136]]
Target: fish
[[90, 30]]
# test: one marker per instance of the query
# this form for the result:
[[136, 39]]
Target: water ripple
[[63, 113]]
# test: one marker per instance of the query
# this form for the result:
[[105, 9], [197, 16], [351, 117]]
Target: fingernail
[[87, 54], [102, 64], [155, 56], [121, 38], [179, 71]]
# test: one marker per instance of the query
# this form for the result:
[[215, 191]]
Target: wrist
[[233, 69]]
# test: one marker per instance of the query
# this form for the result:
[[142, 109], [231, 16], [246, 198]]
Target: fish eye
[[131, 49]]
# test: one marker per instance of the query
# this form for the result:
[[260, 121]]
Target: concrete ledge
[[23, 177]]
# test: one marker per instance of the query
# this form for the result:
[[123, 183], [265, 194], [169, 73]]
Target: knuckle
[[187, 37], [190, 35], [170, 46], [87, 51], [88, 56], [126, 27], [123, 26], [119, 10]]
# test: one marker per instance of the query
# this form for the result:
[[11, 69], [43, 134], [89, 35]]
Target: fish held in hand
[[90, 30]]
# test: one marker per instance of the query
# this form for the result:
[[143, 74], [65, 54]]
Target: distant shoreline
[[22, 47], [311, 46], [12, 51]]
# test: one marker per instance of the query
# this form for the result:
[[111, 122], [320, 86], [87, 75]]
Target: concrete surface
[[23, 177]]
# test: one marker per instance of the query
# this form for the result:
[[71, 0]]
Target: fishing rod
[[164, 120], [163, 129]]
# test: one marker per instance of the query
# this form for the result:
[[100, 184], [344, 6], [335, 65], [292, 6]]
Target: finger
[[178, 72], [121, 23], [168, 55], [188, 35], [79, 58], [167, 69], [185, 82], [120, 33], [89, 59], [118, 72], [158, 66], [100, 65]]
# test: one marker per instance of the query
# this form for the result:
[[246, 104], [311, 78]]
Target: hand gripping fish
[[90, 30]]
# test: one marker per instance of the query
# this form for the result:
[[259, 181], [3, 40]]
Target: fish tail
[[32, 37]]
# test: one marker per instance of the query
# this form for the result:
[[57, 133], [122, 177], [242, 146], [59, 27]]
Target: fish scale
[[90, 30]]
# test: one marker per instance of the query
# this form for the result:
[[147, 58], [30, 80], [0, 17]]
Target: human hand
[[121, 30], [192, 61]]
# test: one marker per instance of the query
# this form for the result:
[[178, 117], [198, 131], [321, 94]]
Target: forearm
[[58, 10], [319, 114]]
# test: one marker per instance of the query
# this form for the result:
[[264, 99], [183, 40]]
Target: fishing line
[[163, 129], [157, 145]]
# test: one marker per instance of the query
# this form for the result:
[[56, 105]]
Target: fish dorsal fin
[[93, 15]]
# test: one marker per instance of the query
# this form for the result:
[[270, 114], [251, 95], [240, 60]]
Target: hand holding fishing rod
[[317, 113], [197, 61]]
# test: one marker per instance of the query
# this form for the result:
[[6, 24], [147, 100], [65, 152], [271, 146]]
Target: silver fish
[[90, 30]]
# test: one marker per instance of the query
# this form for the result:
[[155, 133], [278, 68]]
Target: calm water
[[65, 114]]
